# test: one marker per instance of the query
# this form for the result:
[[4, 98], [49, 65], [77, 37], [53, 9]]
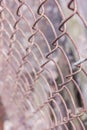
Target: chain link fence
[[43, 69]]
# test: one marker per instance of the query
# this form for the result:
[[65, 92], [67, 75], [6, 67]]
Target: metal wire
[[31, 73]]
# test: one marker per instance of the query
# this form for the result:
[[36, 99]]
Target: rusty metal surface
[[28, 56]]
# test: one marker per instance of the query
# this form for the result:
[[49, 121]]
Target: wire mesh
[[40, 84]]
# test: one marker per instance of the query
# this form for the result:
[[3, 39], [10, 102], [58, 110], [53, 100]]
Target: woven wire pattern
[[32, 63]]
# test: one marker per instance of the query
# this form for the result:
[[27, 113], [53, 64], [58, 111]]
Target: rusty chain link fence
[[43, 69]]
